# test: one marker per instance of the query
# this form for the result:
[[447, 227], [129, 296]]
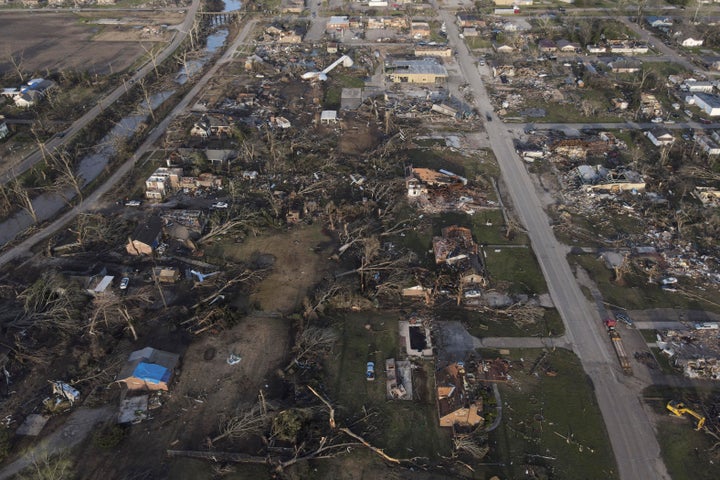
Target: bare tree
[[17, 62], [253, 421], [153, 55], [312, 341], [244, 220], [62, 163], [51, 302], [146, 96], [22, 194], [476, 448], [44, 466]]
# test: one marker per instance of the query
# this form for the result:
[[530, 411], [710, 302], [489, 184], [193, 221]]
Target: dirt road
[[75, 429], [631, 433]]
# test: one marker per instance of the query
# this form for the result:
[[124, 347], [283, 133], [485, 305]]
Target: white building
[[691, 42], [328, 117], [695, 86], [708, 103], [707, 144], [4, 131], [660, 137]]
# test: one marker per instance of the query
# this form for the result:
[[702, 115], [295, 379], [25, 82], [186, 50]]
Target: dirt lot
[[297, 267], [64, 41], [205, 390]]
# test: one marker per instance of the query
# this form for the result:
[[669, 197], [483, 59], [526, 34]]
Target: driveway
[[74, 431]]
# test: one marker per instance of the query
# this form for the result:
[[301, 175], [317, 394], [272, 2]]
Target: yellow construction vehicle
[[679, 409]]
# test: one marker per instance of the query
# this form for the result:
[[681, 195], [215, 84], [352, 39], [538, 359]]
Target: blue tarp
[[151, 373]]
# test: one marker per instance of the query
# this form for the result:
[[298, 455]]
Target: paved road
[[91, 202], [631, 434], [659, 325], [647, 36], [106, 101], [610, 126], [523, 342]]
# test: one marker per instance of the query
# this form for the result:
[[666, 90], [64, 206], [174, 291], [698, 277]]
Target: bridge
[[220, 18]]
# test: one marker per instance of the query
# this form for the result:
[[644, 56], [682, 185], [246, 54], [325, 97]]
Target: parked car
[[124, 283], [219, 205], [473, 294], [133, 203], [624, 318], [370, 373]]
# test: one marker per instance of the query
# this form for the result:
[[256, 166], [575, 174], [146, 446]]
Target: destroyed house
[[419, 29], [148, 369], [455, 244], [418, 181], [707, 195], [467, 20], [619, 181], [166, 274], [455, 406], [571, 148], [146, 237], [695, 352], [209, 126], [433, 178], [193, 220]]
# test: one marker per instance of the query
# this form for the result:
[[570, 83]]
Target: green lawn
[[405, 428], [687, 453], [484, 164], [484, 324], [517, 266], [636, 293], [541, 412]]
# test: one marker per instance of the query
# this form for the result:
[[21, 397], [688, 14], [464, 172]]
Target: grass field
[[404, 428], [484, 324], [636, 293], [687, 453], [537, 409], [470, 166], [540, 412]]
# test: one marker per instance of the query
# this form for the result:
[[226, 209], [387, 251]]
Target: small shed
[[98, 286], [148, 369], [328, 116]]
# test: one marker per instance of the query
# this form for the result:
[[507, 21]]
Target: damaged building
[[425, 70], [454, 245], [696, 352], [457, 407]]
